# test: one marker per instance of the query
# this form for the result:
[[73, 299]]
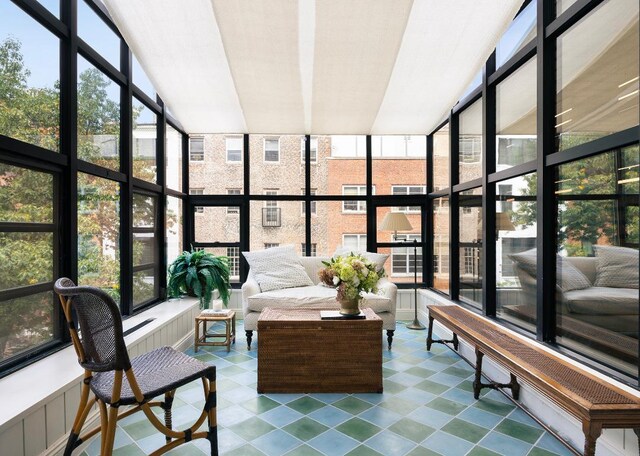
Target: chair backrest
[[98, 318]]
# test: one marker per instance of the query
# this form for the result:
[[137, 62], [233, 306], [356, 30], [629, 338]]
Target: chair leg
[[166, 406], [112, 420], [81, 415], [211, 408], [249, 336], [390, 333]]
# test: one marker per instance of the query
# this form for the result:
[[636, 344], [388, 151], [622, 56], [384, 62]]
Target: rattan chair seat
[[157, 372]]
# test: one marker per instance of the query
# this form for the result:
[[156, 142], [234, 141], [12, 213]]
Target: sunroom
[[506, 133]]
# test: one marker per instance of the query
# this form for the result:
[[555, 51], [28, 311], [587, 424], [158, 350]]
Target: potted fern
[[199, 273]]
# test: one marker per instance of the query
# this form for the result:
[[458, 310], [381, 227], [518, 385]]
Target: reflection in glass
[[470, 144], [441, 152], [400, 265], [441, 244], [173, 158], [520, 33], [597, 277], [174, 228], [404, 158], [470, 256], [144, 286], [144, 142], [26, 323], [29, 75], [516, 258], [516, 118], [98, 233], [597, 77], [98, 117]]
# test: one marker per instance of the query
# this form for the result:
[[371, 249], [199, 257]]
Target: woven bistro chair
[[115, 380]]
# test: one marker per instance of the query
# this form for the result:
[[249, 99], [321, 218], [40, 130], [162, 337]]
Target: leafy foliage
[[200, 273]]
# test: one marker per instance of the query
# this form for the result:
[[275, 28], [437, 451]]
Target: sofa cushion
[[277, 268], [616, 267], [379, 259], [314, 297], [569, 277], [602, 301]]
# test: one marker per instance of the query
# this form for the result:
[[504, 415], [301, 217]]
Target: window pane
[[144, 286], [520, 33], [332, 228], [516, 250], [212, 153], [25, 195], [235, 147], [471, 246], [141, 79], [97, 34], [98, 117], [26, 323], [516, 118], [98, 233], [173, 157], [52, 5], [216, 224], [400, 265], [597, 77], [144, 142], [174, 228], [441, 154], [398, 160], [441, 244], [341, 161], [31, 259], [275, 161], [597, 272], [233, 254], [30, 71], [563, 5], [276, 222], [470, 143]]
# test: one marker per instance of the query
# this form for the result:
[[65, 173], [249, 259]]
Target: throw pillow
[[379, 259], [569, 277], [277, 268], [617, 267]]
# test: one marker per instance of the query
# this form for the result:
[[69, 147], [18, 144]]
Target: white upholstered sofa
[[317, 296]]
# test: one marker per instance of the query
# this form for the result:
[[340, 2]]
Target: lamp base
[[415, 325]]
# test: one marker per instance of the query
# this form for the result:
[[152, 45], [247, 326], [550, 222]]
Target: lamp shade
[[395, 221]]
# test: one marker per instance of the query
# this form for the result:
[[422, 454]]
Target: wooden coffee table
[[300, 353]]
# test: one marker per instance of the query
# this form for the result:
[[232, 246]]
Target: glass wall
[[470, 246], [470, 143], [441, 239]]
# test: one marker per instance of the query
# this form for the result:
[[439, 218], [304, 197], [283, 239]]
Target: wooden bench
[[595, 402]]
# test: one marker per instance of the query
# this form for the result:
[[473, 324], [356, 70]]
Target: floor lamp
[[398, 221]]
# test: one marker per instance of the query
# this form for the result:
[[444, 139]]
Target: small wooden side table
[[229, 335]]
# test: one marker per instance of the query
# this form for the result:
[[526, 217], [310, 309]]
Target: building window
[[314, 150], [354, 206], [233, 209], [440, 254], [196, 149], [470, 149], [269, 245], [271, 211], [314, 204], [197, 191], [355, 242], [272, 149], [314, 249], [402, 258], [469, 260], [233, 253], [408, 190], [234, 149]]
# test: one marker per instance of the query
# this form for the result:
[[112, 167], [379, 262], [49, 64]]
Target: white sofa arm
[[389, 290], [249, 288]]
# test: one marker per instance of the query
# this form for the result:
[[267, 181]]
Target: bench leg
[[390, 333], [478, 385], [591, 433], [431, 340], [249, 336]]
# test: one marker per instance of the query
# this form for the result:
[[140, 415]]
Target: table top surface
[[227, 316], [297, 314]]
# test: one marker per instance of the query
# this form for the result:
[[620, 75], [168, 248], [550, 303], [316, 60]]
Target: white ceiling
[[311, 66]]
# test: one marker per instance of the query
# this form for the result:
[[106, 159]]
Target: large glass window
[[516, 250], [441, 157], [98, 117], [140, 78], [516, 118], [220, 156], [471, 224], [520, 33], [470, 142], [26, 259], [97, 34], [441, 239], [29, 79], [398, 160], [173, 158], [174, 228], [597, 272], [144, 142], [597, 75], [341, 161], [354, 206], [99, 234], [145, 248]]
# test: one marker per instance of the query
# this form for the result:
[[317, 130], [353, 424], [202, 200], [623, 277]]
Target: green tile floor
[[427, 408]]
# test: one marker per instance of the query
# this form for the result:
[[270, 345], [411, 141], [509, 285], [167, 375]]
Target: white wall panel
[[55, 417], [35, 441], [12, 440]]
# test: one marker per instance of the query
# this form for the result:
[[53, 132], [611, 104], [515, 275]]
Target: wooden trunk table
[[300, 353]]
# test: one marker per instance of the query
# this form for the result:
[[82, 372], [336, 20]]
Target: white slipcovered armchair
[[320, 297]]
